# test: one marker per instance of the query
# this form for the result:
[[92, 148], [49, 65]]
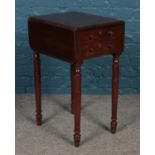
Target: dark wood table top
[[75, 36], [75, 20]]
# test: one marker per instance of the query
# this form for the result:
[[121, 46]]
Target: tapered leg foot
[[37, 81], [115, 83], [76, 100], [77, 140], [39, 119], [113, 127]]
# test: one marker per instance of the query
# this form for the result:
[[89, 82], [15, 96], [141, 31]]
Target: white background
[[7, 77], [147, 67]]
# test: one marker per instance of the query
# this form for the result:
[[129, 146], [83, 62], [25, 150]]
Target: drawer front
[[101, 41]]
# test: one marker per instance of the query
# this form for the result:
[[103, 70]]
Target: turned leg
[[37, 82], [72, 90], [115, 83], [76, 98]]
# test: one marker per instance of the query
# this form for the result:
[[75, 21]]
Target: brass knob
[[91, 37], [110, 33], [91, 50], [100, 33], [99, 45]]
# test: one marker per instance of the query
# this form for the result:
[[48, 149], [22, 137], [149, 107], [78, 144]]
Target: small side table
[[74, 37]]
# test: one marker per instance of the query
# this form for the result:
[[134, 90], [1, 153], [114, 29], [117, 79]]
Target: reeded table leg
[[76, 99], [72, 90], [115, 83], [37, 82]]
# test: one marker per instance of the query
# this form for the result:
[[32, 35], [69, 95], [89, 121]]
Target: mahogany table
[[74, 37]]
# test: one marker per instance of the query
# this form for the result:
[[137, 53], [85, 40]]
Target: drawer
[[101, 41]]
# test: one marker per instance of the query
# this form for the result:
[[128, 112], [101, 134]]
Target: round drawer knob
[[91, 50], [110, 33], [99, 45], [100, 33], [91, 37]]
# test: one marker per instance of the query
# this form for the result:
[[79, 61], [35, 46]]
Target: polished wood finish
[[75, 20], [75, 37], [101, 41], [72, 90], [76, 99], [37, 82], [115, 83]]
